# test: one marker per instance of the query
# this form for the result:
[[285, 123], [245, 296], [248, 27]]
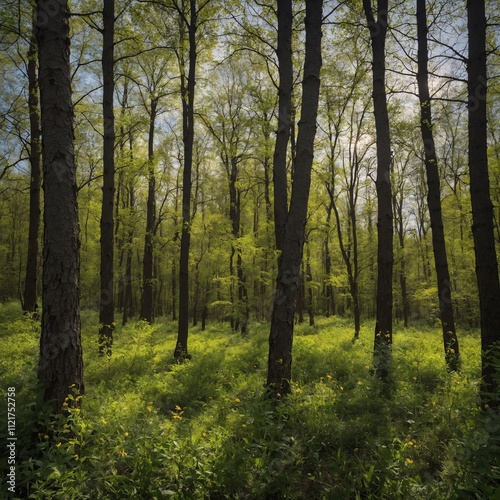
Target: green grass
[[150, 428]]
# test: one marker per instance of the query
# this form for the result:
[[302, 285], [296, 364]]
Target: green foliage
[[152, 428]]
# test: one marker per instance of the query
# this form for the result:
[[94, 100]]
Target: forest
[[249, 249]]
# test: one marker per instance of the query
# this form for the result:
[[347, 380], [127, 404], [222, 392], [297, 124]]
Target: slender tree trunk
[[450, 340], [30, 283], [310, 304], [285, 68], [385, 257], [482, 208], [288, 280], [187, 94], [351, 264], [329, 292], [127, 282], [147, 263], [106, 311], [60, 365]]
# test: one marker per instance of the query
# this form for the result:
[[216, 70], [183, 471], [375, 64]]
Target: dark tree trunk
[[127, 282], [385, 257], [301, 297], [329, 292], [289, 279], [147, 263], [450, 340], [284, 53], [398, 202], [30, 284], [106, 311], [60, 365], [350, 263], [482, 208], [310, 304], [187, 94]]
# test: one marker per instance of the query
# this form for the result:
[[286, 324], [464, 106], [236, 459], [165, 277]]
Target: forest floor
[[150, 428]]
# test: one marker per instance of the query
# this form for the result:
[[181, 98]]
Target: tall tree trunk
[[385, 257], [187, 94], [289, 279], [106, 311], [127, 282], [147, 263], [30, 283], [285, 68], [482, 208], [450, 340], [308, 275], [60, 365]]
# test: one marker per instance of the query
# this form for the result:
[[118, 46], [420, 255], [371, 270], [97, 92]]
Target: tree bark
[[285, 68], [482, 208], [289, 279], [60, 364], [385, 257], [187, 93], [30, 283], [127, 281], [450, 340], [106, 311], [147, 267]]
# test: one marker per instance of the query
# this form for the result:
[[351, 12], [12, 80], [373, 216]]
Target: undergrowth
[[151, 428]]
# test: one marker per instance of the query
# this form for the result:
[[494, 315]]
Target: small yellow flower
[[410, 443], [176, 417], [359, 382], [149, 408], [126, 434], [329, 377], [341, 388], [178, 408], [77, 457], [58, 444], [237, 400], [409, 461], [46, 437], [204, 434], [101, 440]]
